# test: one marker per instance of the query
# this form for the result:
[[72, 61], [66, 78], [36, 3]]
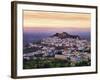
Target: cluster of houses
[[54, 47]]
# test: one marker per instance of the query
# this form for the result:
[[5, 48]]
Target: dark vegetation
[[52, 63]]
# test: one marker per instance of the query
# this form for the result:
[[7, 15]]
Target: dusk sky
[[39, 20]]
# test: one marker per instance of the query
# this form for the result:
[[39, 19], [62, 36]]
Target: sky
[[42, 20]]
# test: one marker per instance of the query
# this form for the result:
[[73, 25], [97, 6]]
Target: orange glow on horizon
[[53, 20]]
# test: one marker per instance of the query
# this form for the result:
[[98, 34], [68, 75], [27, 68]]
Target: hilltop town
[[62, 47]]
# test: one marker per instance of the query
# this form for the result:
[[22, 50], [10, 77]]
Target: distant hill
[[65, 35]]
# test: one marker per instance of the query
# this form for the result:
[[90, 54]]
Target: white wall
[[5, 40]]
